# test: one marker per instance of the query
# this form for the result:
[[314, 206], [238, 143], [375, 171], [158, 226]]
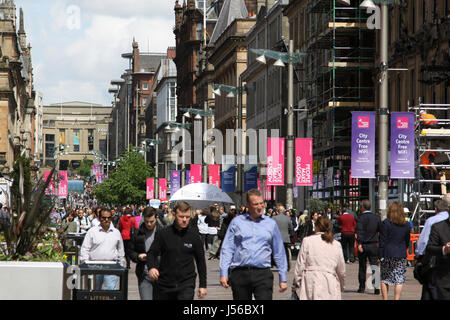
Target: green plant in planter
[[26, 236]]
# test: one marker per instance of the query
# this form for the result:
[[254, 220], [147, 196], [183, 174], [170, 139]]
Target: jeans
[[146, 288], [348, 244], [110, 282]]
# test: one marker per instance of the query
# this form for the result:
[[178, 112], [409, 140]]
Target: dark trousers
[[247, 282], [126, 245], [348, 246], [370, 252], [204, 238], [183, 292], [429, 290], [443, 293]]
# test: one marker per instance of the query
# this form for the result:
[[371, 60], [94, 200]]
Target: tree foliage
[[85, 167], [127, 182]]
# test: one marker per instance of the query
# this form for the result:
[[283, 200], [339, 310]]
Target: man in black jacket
[[367, 232], [140, 243], [178, 245], [439, 246]]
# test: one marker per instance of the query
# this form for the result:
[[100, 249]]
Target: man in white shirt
[[103, 243]]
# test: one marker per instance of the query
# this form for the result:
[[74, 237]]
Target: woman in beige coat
[[320, 268]]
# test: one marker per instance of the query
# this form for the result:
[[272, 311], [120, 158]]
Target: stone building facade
[[17, 95]]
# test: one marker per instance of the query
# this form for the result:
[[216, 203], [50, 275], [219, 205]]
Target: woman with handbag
[[394, 241]]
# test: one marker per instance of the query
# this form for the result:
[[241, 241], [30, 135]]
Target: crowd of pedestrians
[[169, 244]]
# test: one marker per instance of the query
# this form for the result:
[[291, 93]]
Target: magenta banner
[[51, 188], [214, 175], [275, 162], [303, 162], [62, 185], [150, 189], [363, 145], [196, 173], [402, 145], [163, 189]]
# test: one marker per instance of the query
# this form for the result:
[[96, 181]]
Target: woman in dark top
[[394, 241]]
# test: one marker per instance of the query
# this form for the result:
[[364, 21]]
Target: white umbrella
[[201, 195]]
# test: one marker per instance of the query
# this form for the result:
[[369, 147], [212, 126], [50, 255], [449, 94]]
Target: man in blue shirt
[[250, 241], [429, 291]]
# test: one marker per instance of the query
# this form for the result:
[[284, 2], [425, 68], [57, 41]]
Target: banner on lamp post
[[62, 185], [51, 188], [402, 145], [214, 175], [363, 145], [250, 177], [196, 173], [303, 162], [175, 181], [228, 178], [163, 189], [275, 162], [188, 177], [150, 189]]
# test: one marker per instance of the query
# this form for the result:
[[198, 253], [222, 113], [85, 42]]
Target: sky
[[77, 44]]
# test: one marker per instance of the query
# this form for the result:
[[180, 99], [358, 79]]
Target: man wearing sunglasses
[[103, 243]]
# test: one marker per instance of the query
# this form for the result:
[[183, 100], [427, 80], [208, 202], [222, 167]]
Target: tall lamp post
[[383, 111], [290, 58], [232, 92], [200, 115]]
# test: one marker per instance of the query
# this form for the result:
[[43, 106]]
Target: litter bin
[[88, 271], [74, 252]]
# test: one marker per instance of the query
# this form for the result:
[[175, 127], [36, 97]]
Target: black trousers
[[348, 246], [183, 292], [246, 282], [370, 252], [429, 290], [126, 245]]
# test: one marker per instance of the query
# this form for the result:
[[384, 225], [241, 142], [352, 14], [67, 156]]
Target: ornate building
[[17, 95]]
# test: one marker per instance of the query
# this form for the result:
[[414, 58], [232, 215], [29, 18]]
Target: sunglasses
[[105, 218]]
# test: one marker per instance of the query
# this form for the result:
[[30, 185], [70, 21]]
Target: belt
[[248, 268]]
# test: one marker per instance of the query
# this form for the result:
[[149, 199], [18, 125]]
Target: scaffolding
[[338, 69], [436, 139]]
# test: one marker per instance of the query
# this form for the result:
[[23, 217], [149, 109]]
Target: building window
[[49, 145], [91, 139], [172, 101], [102, 146], [199, 31], [145, 86], [144, 102], [412, 80], [76, 140]]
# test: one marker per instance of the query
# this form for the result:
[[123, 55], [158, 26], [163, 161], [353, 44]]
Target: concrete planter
[[33, 281]]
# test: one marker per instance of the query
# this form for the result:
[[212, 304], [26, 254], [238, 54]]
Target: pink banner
[[150, 189], [62, 185], [51, 188], [214, 175], [163, 189], [196, 173], [275, 162], [303, 162]]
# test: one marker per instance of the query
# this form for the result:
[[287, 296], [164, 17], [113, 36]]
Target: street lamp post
[[383, 111], [291, 58]]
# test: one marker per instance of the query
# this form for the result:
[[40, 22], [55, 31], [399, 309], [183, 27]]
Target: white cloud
[[78, 63]]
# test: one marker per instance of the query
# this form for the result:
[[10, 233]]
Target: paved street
[[411, 290]]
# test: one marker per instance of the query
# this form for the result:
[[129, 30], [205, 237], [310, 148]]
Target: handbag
[[424, 265]]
